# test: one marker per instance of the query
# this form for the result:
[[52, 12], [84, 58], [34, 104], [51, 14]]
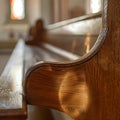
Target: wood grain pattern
[[87, 89], [12, 102]]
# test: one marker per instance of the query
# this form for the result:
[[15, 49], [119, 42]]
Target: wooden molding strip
[[12, 103]]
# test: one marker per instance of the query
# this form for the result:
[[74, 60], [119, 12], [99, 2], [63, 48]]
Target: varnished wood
[[37, 34], [74, 20], [14, 71], [76, 36], [12, 102], [87, 89]]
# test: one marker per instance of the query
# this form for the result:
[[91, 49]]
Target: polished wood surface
[[4, 57], [76, 36], [75, 44], [12, 102], [86, 89], [74, 20]]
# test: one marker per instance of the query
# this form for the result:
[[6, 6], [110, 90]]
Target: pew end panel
[[88, 88], [70, 87]]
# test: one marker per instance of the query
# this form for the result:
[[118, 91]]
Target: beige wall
[[3, 11], [33, 12], [50, 11], [47, 11], [78, 7], [66, 9]]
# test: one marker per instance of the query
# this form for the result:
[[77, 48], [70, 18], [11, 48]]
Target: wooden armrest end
[[58, 86]]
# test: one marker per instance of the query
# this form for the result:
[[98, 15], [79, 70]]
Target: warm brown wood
[[87, 89], [12, 102], [12, 106], [74, 20], [37, 33], [77, 37]]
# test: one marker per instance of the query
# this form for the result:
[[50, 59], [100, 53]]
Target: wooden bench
[[82, 82], [12, 103]]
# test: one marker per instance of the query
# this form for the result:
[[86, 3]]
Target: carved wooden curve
[[86, 89]]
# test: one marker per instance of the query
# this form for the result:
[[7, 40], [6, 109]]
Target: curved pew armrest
[[62, 86], [65, 86]]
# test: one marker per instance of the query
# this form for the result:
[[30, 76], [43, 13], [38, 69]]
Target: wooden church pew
[[65, 44], [12, 102], [82, 83]]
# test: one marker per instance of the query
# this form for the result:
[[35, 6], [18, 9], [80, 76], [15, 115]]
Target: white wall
[[33, 12]]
